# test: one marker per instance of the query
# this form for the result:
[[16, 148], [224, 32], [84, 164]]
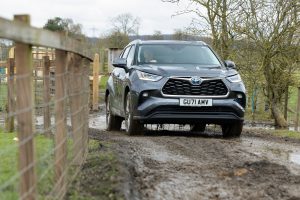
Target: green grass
[[103, 81], [261, 115], [45, 155], [8, 165], [279, 133], [293, 96], [286, 134], [3, 96], [292, 103]]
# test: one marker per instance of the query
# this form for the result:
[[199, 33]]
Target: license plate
[[195, 102]]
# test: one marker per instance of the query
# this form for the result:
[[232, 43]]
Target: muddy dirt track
[[180, 165]]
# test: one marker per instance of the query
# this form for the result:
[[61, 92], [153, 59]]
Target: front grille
[[184, 87]]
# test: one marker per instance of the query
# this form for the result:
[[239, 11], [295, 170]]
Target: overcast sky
[[95, 15]]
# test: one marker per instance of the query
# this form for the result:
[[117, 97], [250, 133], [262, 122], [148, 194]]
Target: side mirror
[[120, 62], [230, 64]]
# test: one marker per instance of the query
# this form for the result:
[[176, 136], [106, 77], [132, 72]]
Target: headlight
[[235, 78], [148, 77]]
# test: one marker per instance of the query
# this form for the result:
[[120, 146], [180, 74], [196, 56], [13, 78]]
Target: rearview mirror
[[230, 64], [120, 62]]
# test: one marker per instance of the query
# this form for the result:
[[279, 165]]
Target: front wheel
[[113, 122], [133, 127], [232, 130]]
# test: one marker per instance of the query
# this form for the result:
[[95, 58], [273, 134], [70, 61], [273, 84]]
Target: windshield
[[176, 54]]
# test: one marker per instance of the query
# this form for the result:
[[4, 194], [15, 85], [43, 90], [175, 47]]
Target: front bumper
[[167, 110]]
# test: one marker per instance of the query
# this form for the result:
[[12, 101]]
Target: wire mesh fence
[[44, 95], [75, 117]]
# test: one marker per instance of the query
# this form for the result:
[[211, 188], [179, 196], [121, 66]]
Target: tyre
[[232, 130], [113, 122], [133, 127], [198, 127]]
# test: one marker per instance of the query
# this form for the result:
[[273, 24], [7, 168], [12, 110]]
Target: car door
[[116, 75]]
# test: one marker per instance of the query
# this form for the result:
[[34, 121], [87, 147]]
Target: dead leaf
[[240, 172]]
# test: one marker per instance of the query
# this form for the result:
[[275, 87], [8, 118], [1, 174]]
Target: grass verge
[[99, 177], [9, 175], [102, 84], [286, 134]]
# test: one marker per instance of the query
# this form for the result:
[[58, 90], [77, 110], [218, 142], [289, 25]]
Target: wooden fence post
[[297, 111], [25, 105], [86, 88], [46, 96], [76, 96], [102, 61], [10, 65], [96, 64], [60, 123]]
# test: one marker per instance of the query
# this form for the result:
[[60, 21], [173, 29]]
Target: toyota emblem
[[195, 80]]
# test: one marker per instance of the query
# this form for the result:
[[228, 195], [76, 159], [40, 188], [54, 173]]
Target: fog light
[[239, 96], [145, 94]]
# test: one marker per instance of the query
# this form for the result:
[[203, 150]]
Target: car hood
[[208, 71]]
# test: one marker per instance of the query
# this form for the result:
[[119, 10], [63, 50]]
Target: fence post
[[298, 111], [102, 61], [25, 105], [10, 65], [76, 106], [46, 96], [96, 64], [60, 123], [86, 88]]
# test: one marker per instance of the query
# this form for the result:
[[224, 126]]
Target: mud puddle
[[295, 158], [281, 152]]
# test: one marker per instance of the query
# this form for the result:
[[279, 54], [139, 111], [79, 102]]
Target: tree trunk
[[274, 94], [286, 102], [224, 31], [280, 122]]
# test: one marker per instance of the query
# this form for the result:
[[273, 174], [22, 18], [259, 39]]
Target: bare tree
[[126, 24], [212, 20], [180, 35], [272, 26], [157, 35], [117, 40]]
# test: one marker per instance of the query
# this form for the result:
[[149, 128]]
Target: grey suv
[[174, 82]]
